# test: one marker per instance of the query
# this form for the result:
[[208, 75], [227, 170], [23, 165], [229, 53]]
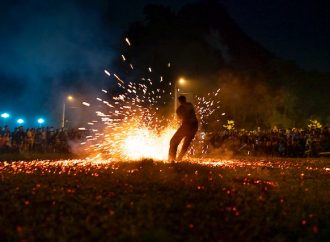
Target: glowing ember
[[86, 104], [144, 143], [127, 41], [251, 165], [133, 138]]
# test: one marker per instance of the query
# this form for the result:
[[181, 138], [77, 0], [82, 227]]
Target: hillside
[[204, 44]]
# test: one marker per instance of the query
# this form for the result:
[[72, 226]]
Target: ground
[[199, 200]]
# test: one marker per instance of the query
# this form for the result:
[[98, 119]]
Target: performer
[[186, 131]]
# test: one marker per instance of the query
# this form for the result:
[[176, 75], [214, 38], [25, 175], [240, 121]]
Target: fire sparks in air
[[133, 123]]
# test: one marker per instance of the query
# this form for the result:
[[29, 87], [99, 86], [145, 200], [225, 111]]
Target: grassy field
[[36, 156], [205, 200]]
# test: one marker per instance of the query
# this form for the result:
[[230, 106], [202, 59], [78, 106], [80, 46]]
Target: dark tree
[[203, 43]]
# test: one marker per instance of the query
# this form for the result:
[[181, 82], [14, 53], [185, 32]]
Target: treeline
[[204, 44]]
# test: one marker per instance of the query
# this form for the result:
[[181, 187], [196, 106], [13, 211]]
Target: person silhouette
[[187, 130]]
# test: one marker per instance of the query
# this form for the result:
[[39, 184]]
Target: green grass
[[249, 200]]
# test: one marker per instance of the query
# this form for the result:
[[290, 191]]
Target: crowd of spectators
[[37, 140], [276, 142]]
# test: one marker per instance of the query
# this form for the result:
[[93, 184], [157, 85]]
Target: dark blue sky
[[297, 30], [50, 48]]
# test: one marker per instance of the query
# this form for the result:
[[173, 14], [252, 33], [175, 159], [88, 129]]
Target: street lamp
[[20, 121], [40, 121], [5, 116], [70, 99], [181, 82]]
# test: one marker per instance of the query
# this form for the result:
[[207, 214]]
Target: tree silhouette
[[203, 43]]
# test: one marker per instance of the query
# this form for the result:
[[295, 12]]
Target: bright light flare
[[144, 143], [5, 115], [182, 81], [20, 121], [133, 139], [41, 121]]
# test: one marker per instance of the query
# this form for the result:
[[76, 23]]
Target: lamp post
[[5, 116], [40, 121], [20, 121], [69, 98]]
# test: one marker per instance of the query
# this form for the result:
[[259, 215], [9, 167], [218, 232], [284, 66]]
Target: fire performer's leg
[[174, 143], [187, 140]]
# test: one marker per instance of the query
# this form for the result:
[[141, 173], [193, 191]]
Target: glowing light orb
[[40, 121], [5, 115], [20, 121]]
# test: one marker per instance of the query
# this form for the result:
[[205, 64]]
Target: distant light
[[70, 98], [5, 115], [20, 121], [182, 81], [41, 121]]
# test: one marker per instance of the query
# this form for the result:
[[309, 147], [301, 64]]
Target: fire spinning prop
[[134, 124]]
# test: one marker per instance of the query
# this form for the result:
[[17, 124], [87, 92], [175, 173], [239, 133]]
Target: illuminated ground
[[201, 200]]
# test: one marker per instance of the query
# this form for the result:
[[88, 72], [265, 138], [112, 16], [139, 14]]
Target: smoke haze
[[48, 50]]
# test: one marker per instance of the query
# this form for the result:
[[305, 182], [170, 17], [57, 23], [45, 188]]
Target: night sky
[[52, 48]]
